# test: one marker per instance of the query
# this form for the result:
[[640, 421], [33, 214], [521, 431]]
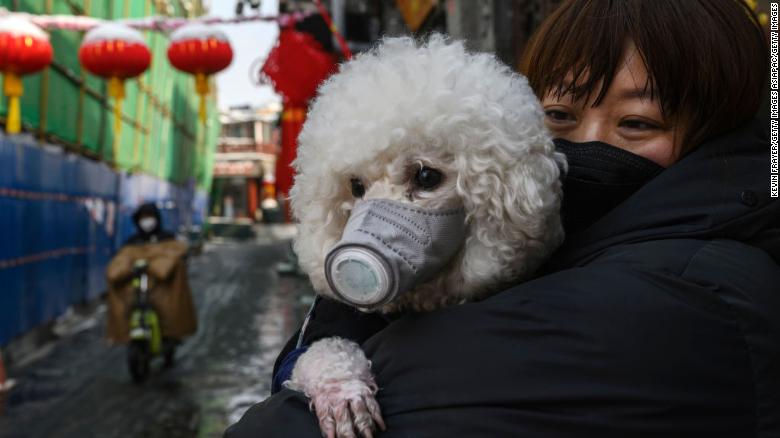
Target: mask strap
[[309, 316]]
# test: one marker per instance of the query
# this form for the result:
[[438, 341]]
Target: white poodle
[[440, 159]]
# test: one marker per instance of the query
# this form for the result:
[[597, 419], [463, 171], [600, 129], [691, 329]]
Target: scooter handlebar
[[140, 266]]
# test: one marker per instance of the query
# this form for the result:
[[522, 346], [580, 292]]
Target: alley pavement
[[79, 386]]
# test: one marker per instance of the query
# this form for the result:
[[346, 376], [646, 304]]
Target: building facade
[[244, 165], [499, 26]]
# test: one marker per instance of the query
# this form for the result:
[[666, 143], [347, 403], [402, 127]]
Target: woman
[[659, 315]]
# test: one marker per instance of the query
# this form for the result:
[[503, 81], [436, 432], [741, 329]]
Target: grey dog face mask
[[388, 247]]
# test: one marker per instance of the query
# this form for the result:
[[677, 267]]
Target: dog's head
[[435, 126]]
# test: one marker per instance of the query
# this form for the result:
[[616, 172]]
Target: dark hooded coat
[[171, 296], [662, 319], [156, 235]]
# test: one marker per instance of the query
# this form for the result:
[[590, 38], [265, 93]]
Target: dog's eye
[[427, 178], [358, 190]]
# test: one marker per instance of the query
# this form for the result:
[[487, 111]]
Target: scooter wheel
[[138, 359]]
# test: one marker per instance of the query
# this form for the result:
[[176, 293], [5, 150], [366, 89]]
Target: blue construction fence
[[62, 218]]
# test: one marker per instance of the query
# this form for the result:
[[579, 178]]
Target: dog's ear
[[512, 195]]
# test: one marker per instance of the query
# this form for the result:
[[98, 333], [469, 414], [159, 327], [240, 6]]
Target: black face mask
[[600, 177]]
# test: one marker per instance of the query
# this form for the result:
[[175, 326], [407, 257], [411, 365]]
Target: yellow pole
[[13, 88], [202, 88], [116, 89]]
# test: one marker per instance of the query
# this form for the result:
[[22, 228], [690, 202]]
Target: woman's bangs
[[578, 55]]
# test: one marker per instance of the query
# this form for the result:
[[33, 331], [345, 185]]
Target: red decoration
[[23, 54], [207, 53], [297, 65], [24, 49], [293, 118], [115, 52], [200, 50], [115, 59]]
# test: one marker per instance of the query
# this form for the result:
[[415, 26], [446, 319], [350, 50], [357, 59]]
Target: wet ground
[[78, 386]]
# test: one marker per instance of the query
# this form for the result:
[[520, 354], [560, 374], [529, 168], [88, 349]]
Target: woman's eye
[[358, 190], [427, 178], [637, 124], [558, 115]]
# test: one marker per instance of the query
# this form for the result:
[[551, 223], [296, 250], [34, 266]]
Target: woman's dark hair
[[706, 59]]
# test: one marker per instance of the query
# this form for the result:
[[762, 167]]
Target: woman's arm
[[612, 349], [163, 257], [120, 268]]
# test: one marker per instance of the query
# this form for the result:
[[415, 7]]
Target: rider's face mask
[[147, 224], [600, 177], [389, 247]]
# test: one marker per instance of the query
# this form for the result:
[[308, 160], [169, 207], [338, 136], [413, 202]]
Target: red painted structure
[[296, 66], [292, 123]]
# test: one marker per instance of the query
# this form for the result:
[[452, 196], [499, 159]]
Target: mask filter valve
[[359, 276], [388, 247]]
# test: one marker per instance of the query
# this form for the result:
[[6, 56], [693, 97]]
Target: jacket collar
[[720, 190]]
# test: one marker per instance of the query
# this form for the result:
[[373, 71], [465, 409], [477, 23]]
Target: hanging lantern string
[[156, 23], [329, 22]]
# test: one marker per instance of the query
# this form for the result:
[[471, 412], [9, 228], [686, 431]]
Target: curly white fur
[[402, 101], [319, 362], [385, 114], [336, 376]]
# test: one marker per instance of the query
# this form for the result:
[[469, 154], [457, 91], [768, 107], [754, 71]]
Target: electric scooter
[[146, 341]]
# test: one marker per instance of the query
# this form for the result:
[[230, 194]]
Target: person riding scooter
[[148, 222], [162, 259]]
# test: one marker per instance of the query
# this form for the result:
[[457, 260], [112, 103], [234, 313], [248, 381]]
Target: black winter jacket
[[662, 319]]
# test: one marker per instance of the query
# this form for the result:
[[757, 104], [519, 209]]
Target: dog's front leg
[[336, 376]]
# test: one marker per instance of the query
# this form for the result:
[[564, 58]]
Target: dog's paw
[[336, 376], [347, 409]]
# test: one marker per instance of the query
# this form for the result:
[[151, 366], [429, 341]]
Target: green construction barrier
[[161, 134]]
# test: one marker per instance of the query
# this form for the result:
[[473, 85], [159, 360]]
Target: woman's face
[[626, 117]]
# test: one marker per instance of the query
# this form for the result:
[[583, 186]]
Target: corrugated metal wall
[[62, 217], [57, 226], [64, 210]]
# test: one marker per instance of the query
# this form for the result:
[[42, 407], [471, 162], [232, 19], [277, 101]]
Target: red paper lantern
[[200, 50], [24, 49], [115, 52], [297, 65]]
